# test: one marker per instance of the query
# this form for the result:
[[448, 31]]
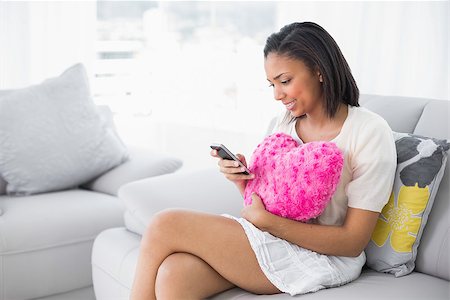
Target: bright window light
[[184, 72]]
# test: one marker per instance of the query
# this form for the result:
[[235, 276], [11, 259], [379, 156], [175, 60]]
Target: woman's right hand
[[232, 171]]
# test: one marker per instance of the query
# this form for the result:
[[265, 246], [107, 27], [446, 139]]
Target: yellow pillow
[[420, 166]]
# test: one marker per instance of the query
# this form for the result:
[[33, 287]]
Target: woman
[[192, 255]]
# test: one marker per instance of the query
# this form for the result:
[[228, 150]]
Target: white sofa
[[116, 250], [46, 239]]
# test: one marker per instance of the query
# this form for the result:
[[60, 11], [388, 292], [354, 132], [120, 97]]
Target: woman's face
[[294, 84]]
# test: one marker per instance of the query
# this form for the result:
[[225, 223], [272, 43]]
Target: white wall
[[14, 44], [393, 48], [40, 39]]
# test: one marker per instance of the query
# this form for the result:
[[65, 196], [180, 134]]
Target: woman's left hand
[[255, 212]]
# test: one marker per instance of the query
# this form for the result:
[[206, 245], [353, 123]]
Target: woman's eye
[[285, 81], [271, 85]]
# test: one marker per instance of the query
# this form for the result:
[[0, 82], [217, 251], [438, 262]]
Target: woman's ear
[[319, 74]]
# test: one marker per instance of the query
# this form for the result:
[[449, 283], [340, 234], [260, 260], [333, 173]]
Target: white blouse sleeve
[[281, 125], [373, 163]]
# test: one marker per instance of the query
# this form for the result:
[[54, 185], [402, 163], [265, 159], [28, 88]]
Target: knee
[[172, 277], [162, 227], [161, 221]]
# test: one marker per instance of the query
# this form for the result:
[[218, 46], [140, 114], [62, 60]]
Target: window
[[185, 68]]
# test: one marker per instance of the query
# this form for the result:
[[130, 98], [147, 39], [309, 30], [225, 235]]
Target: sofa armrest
[[142, 163], [204, 190]]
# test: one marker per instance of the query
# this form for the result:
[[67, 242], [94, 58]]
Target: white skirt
[[295, 270]]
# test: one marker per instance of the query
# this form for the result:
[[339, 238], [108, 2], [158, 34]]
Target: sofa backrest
[[430, 118]]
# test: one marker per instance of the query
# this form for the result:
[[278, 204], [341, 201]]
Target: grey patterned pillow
[[420, 166], [2, 186], [52, 138]]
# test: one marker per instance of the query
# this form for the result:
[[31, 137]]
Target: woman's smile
[[290, 105]]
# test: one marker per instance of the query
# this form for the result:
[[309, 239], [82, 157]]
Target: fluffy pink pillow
[[294, 181]]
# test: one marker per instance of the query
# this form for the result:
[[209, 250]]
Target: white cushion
[[52, 137], [142, 163], [204, 190]]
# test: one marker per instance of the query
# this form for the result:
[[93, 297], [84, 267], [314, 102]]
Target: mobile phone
[[223, 152]]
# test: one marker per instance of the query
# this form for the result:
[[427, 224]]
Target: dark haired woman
[[192, 255]]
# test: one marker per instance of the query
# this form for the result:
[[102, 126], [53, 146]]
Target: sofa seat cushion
[[46, 240], [370, 286], [116, 252], [55, 219], [86, 293], [114, 259]]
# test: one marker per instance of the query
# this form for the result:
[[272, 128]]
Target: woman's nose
[[278, 93]]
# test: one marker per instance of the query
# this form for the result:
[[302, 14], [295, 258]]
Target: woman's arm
[[350, 239]]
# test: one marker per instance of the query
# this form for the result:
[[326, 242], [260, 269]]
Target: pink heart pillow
[[294, 181]]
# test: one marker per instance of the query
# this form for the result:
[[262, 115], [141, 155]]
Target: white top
[[370, 160]]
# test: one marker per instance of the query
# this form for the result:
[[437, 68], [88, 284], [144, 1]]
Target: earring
[[320, 78]]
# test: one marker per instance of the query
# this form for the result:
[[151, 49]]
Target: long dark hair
[[315, 47]]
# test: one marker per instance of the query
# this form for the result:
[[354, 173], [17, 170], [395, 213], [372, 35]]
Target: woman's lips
[[290, 105]]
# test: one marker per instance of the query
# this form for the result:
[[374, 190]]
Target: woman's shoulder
[[366, 128], [366, 119]]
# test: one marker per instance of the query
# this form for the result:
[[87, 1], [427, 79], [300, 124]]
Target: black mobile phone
[[223, 152]]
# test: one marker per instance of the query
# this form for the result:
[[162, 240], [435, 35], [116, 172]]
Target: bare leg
[[218, 241], [186, 276]]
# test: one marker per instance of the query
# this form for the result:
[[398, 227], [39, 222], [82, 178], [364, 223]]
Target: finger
[[241, 158], [233, 170], [226, 163], [234, 176], [214, 153], [226, 167]]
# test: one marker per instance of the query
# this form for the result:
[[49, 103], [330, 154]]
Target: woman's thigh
[[219, 241]]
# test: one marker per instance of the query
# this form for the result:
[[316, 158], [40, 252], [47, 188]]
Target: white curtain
[[393, 48], [41, 39]]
